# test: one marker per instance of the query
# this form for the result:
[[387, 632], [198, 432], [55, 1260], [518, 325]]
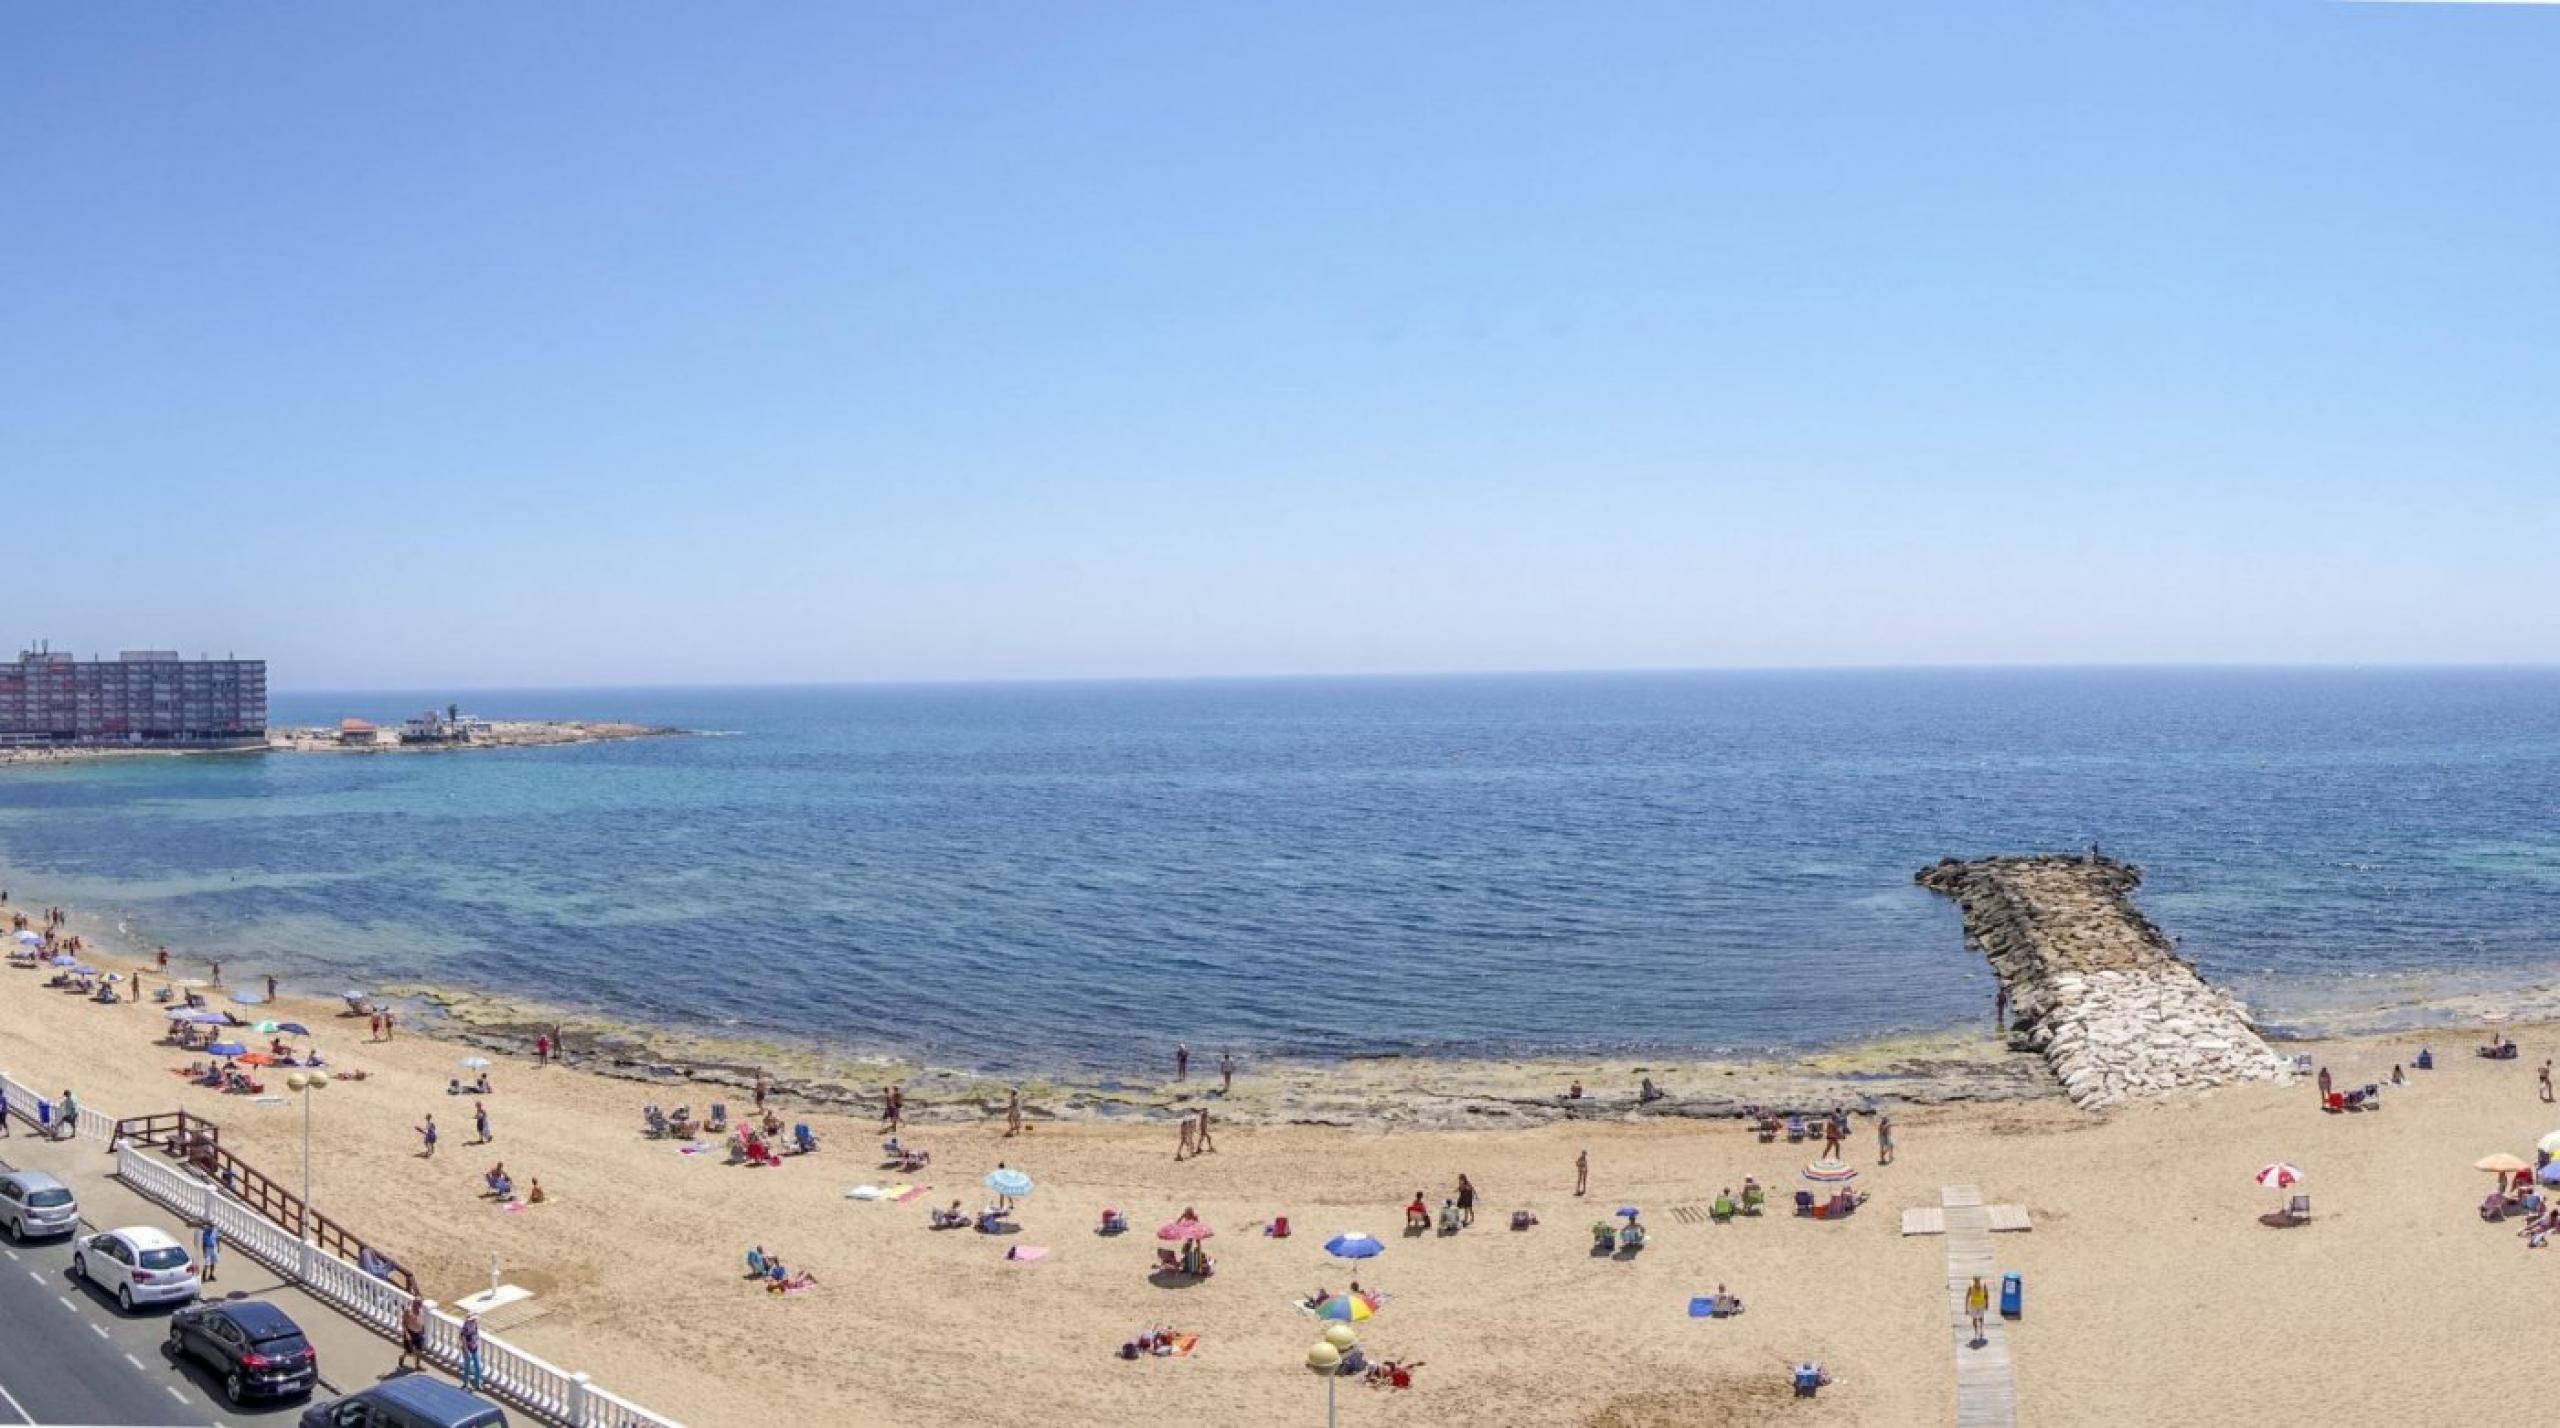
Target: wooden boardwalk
[[1986, 1395]]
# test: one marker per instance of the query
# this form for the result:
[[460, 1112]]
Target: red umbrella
[[1185, 1230]]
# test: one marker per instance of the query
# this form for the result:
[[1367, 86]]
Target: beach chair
[[1804, 1202], [1722, 1211], [656, 1120], [1167, 1262], [2299, 1212], [1113, 1223], [1754, 1199], [2426, 1060], [1631, 1239], [1604, 1237], [719, 1118], [802, 1140], [1795, 1128], [755, 1264]]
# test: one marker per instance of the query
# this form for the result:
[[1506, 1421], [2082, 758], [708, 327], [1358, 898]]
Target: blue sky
[[488, 345]]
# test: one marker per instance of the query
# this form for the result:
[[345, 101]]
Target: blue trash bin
[[2012, 1291]]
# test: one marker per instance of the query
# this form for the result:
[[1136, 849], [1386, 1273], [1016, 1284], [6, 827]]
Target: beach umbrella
[[30, 938], [293, 1028], [1008, 1182], [202, 1017], [354, 994], [2550, 1144], [1629, 1211], [1353, 1245], [1185, 1230], [268, 1028], [474, 1063], [1348, 1308], [62, 959], [2501, 1163], [2279, 1176], [1831, 1172], [180, 1013], [227, 1048], [2549, 1174], [83, 969]]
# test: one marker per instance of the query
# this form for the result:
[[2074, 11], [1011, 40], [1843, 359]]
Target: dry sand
[[2154, 1295]]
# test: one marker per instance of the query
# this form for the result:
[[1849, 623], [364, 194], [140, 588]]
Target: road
[[70, 1355]]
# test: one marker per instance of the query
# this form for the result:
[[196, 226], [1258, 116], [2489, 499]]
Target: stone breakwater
[[2094, 986]]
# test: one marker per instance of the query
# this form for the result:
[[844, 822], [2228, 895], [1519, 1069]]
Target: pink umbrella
[[1185, 1230], [2279, 1176]]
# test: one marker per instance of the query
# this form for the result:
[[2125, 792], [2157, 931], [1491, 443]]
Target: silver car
[[33, 1203]]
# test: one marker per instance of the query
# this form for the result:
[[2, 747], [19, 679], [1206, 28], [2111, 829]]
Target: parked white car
[[33, 1203], [141, 1264]]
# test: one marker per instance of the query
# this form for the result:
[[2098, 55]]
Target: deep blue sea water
[[1074, 876]]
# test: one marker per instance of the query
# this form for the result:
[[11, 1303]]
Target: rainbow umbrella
[[1185, 1230], [1349, 1308], [1831, 1172]]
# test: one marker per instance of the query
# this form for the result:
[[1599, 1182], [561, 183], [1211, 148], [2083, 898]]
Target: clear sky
[[461, 345]]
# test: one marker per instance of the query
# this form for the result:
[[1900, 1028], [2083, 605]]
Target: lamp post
[[1325, 1359], [304, 1083]]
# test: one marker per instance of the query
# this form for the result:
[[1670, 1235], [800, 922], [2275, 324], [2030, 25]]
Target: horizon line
[[1309, 676]]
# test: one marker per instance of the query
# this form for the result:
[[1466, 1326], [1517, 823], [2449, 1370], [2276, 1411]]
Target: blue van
[[415, 1401]]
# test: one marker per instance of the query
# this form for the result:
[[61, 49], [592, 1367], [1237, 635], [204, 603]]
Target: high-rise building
[[141, 697]]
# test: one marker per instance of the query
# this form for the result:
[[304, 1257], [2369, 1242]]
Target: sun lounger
[[1804, 1202], [802, 1140], [1722, 1211], [1754, 1199], [1604, 1237], [719, 1118], [1795, 1128]]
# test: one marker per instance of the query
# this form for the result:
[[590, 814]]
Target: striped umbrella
[[1349, 1308], [1831, 1172], [2280, 1176]]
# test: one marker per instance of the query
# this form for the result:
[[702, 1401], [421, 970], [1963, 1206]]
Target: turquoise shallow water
[[1077, 875]]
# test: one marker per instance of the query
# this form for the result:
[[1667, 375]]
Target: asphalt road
[[69, 1355]]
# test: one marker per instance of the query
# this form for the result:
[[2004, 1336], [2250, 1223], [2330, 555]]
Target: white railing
[[533, 1384]]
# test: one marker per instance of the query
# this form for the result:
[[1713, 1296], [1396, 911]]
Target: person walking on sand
[[1190, 1136], [480, 1122], [209, 1250], [390, 1028], [1226, 1073], [1830, 1138], [1181, 1062], [1884, 1140], [1582, 1172], [1466, 1200], [2542, 1081], [760, 1088], [427, 1135], [377, 1026], [1013, 1112], [1202, 1145], [413, 1334], [1977, 1301], [541, 1048]]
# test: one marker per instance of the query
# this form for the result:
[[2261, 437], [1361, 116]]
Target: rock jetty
[[2093, 985]]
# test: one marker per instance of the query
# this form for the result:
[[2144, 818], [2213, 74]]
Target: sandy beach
[[2154, 1293]]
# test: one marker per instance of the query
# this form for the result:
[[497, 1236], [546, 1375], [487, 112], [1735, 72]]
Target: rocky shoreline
[[2094, 986]]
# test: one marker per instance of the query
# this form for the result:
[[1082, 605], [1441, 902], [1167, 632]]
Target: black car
[[258, 1350]]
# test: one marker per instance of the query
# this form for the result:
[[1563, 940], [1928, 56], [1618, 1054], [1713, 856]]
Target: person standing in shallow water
[[1227, 1073], [1181, 1062]]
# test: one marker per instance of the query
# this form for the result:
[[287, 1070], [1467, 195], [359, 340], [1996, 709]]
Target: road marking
[[13, 1254], [173, 1393], [20, 1408], [65, 1301], [137, 1363], [98, 1329], [38, 1278]]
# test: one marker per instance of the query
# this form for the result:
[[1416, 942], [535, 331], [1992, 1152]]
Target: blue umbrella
[[83, 969], [29, 938], [1350, 1245], [227, 1048], [2549, 1174], [293, 1028], [1008, 1182]]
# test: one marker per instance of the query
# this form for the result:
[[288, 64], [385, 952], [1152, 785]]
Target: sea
[[1072, 877]]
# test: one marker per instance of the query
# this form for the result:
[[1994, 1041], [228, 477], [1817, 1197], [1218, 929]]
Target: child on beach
[[427, 1134]]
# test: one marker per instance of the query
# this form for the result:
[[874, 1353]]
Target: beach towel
[[1184, 1344], [513, 1207], [911, 1192], [1703, 1307], [1025, 1254], [865, 1192]]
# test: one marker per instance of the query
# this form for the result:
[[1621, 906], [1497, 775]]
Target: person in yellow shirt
[[1977, 1302]]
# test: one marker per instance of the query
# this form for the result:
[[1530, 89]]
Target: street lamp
[[1326, 1360], [306, 1082]]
